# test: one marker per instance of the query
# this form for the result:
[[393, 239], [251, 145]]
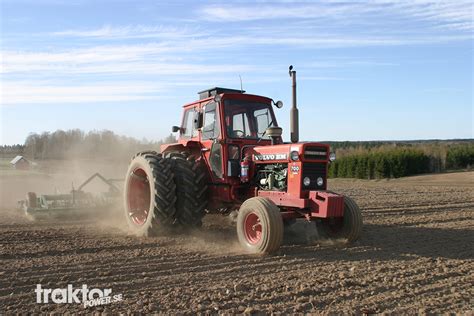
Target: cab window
[[240, 126], [210, 128], [215, 160], [188, 124], [264, 120], [247, 119]]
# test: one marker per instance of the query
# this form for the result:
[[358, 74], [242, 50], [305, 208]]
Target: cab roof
[[204, 94]]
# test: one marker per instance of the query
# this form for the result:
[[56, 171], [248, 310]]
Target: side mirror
[[332, 157], [175, 129], [278, 104]]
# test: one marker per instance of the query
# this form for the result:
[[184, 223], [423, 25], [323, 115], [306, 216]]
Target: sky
[[374, 70]]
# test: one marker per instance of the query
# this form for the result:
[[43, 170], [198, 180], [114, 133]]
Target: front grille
[[313, 171], [315, 153]]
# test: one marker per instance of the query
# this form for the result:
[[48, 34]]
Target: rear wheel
[[260, 226], [348, 228], [191, 189], [149, 194]]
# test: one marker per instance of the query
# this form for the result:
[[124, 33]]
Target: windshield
[[246, 119]]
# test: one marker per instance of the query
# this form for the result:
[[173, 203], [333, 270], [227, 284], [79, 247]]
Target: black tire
[[270, 222], [149, 178], [348, 228], [190, 177]]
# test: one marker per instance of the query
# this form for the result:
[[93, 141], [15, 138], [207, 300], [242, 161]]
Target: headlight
[[306, 181], [294, 155], [332, 156], [320, 182]]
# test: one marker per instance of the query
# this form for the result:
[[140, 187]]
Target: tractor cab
[[228, 114], [225, 123]]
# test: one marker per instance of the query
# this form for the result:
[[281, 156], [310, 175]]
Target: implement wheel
[[348, 228], [149, 194], [260, 226], [31, 200]]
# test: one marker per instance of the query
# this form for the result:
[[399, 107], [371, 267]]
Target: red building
[[20, 163]]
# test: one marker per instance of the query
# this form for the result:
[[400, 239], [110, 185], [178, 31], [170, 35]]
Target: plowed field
[[416, 255]]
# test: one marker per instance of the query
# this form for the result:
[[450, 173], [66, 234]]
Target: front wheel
[[260, 226], [347, 228]]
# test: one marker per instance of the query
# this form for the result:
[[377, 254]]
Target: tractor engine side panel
[[304, 191], [312, 164], [278, 156]]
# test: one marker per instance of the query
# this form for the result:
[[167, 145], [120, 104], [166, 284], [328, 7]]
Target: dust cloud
[[60, 177]]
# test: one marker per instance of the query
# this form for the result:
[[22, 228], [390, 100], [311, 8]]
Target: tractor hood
[[285, 153]]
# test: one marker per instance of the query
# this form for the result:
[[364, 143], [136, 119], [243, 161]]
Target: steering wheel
[[235, 131]]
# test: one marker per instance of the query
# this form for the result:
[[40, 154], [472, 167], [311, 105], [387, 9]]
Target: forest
[[77, 144], [394, 161]]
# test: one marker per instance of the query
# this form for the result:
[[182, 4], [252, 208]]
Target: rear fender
[[188, 146]]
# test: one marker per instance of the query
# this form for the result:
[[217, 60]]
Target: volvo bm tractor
[[230, 158]]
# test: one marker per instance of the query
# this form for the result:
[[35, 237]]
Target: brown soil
[[416, 255]]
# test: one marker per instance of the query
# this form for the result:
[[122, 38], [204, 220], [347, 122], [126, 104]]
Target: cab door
[[211, 140], [188, 126]]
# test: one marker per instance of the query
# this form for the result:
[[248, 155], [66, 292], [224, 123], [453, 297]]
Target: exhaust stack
[[294, 124]]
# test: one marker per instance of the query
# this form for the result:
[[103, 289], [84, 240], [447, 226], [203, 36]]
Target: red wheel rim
[[253, 228], [138, 196]]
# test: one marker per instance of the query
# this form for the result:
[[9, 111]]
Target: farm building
[[20, 163]]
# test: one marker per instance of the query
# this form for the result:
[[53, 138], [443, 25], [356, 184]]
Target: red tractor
[[230, 156]]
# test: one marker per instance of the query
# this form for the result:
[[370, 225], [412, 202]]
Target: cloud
[[41, 93], [450, 14], [134, 32], [456, 15], [190, 57], [175, 55], [277, 11], [133, 60]]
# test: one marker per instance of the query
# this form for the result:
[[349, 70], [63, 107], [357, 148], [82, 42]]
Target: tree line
[[76, 143], [400, 161], [364, 160], [336, 145]]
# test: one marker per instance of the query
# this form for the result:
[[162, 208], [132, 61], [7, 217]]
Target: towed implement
[[77, 202], [230, 158]]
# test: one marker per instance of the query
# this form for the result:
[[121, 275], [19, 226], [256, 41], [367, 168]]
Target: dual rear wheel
[[149, 194], [153, 184]]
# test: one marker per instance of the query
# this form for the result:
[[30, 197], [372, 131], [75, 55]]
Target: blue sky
[[377, 70]]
